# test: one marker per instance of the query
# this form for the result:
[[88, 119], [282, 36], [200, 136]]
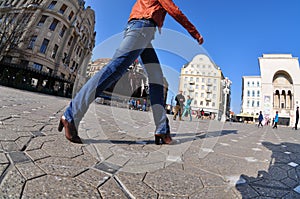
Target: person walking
[[187, 107], [202, 114], [180, 99], [260, 119], [145, 17], [297, 118], [276, 120]]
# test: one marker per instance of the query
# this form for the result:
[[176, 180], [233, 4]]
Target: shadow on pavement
[[187, 137], [282, 180], [216, 133]]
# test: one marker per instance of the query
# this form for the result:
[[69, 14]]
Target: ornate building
[[45, 44], [134, 83], [277, 89], [203, 80]]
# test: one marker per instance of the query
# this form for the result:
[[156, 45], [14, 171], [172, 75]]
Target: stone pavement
[[208, 159]]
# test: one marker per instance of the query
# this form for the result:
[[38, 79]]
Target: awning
[[245, 115]]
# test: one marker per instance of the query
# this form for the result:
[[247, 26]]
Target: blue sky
[[235, 33]]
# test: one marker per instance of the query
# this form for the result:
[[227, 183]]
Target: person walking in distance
[[260, 119], [145, 17], [297, 118], [202, 114], [180, 99], [276, 120], [187, 107]]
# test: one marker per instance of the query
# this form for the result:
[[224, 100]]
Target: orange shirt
[[157, 10]]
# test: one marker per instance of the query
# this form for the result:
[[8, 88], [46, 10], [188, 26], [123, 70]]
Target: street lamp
[[226, 85]]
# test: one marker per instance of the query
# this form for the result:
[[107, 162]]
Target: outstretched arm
[[176, 13]]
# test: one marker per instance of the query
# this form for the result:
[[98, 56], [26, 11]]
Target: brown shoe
[[164, 138], [70, 130]]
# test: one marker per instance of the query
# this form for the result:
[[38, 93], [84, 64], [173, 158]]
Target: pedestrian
[[297, 118], [187, 107], [180, 99], [260, 119], [202, 114], [198, 114], [144, 105], [145, 17], [276, 120]]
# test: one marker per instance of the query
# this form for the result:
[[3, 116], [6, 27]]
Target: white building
[[279, 88], [251, 96], [203, 80]]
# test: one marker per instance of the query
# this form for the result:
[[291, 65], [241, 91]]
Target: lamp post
[[226, 85]]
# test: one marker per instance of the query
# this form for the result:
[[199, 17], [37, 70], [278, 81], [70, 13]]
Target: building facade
[[279, 87], [251, 95], [55, 43], [203, 80]]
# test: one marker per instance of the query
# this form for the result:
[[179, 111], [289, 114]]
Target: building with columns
[[50, 43], [279, 88], [204, 81]]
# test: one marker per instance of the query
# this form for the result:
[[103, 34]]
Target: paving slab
[[207, 159]]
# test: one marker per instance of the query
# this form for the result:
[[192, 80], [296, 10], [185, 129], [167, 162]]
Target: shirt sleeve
[[176, 13]]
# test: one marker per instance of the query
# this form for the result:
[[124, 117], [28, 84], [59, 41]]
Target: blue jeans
[[136, 43]]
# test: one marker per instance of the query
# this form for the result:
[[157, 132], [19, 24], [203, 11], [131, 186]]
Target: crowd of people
[[136, 104]]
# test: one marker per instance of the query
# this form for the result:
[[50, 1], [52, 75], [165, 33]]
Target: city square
[[149, 99], [118, 157]]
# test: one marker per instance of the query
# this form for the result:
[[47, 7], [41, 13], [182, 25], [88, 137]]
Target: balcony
[[208, 99], [208, 90]]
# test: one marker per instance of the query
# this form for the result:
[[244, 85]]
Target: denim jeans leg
[[156, 89], [137, 36]]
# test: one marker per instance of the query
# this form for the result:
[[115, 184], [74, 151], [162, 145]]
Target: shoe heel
[[157, 139], [60, 126]]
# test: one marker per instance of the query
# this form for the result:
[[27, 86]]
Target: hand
[[200, 40]]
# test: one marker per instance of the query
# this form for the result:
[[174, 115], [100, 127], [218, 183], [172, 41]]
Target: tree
[[13, 24]]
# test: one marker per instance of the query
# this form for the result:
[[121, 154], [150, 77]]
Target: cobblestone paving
[[207, 159]]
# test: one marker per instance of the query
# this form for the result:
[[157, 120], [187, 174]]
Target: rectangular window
[[71, 15], [54, 52], [42, 20], [62, 31], [70, 41], [32, 42], [52, 5], [53, 24], [44, 46], [37, 66], [63, 9]]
